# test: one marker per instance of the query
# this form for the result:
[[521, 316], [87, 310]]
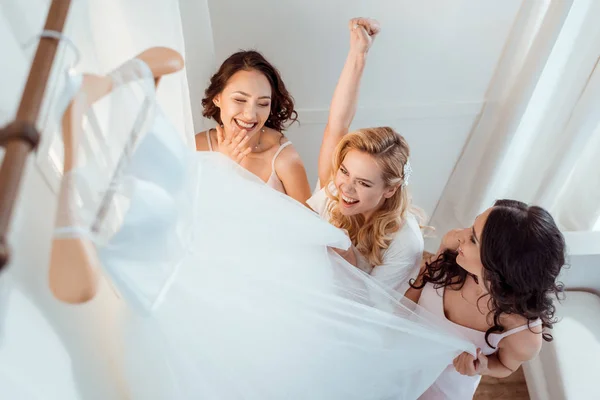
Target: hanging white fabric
[[79, 361], [537, 134]]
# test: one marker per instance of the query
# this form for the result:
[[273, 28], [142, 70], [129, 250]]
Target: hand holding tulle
[[466, 364]]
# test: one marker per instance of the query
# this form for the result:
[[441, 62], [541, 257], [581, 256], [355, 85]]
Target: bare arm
[[413, 293], [512, 352], [345, 96], [290, 170]]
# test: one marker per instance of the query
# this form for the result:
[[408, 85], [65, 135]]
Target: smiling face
[[360, 185], [245, 102]]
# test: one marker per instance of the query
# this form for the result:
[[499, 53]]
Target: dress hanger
[[73, 273]]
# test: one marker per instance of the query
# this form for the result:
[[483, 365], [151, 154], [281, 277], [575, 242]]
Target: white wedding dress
[[234, 290], [34, 365]]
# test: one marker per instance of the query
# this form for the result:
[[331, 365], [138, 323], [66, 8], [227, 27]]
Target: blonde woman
[[364, 177]]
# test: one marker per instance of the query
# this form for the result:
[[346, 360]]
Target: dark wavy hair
[[522, 252], [282, 114]]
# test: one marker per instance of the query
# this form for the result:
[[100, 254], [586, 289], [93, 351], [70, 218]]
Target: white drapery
[[68, 352], [537, 138]]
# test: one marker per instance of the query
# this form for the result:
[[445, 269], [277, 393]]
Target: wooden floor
[[513, 388]]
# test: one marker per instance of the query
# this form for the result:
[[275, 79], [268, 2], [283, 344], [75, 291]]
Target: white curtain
[[68, 352], [537, 138], [200, 55]]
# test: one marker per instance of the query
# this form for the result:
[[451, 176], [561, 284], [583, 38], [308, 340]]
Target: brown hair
[[522, 253], [391, 153], [282, 103]]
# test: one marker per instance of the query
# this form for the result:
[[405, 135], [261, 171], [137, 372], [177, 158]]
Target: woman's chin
[[463, 265], [348, 212]]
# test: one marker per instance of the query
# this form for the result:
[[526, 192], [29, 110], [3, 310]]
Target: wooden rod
[[21, 136]]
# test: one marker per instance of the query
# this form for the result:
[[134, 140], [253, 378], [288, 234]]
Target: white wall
[[200, 54], [435, 135], [427, 74], [583, 265]]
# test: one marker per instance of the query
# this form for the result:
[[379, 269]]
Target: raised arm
[[345, 96]]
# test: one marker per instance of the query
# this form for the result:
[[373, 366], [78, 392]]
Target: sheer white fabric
[[234, 290], [30, 350], [57, 350]]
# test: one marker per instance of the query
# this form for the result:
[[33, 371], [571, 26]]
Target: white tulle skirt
[[34, 365], [234, 290], [259, 307]]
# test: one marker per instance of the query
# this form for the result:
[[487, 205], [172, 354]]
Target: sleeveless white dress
[[234, 290], [451, 385]]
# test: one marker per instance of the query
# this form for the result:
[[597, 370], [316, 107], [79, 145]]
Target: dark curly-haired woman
[[251, 106], [494, 282]]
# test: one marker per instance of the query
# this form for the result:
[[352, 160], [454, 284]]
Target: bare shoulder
[[273, 137], [288, 158], [523, 345], [290, 170], [202, 140]]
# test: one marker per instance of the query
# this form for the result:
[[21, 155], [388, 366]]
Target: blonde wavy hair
[[390, 151]]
